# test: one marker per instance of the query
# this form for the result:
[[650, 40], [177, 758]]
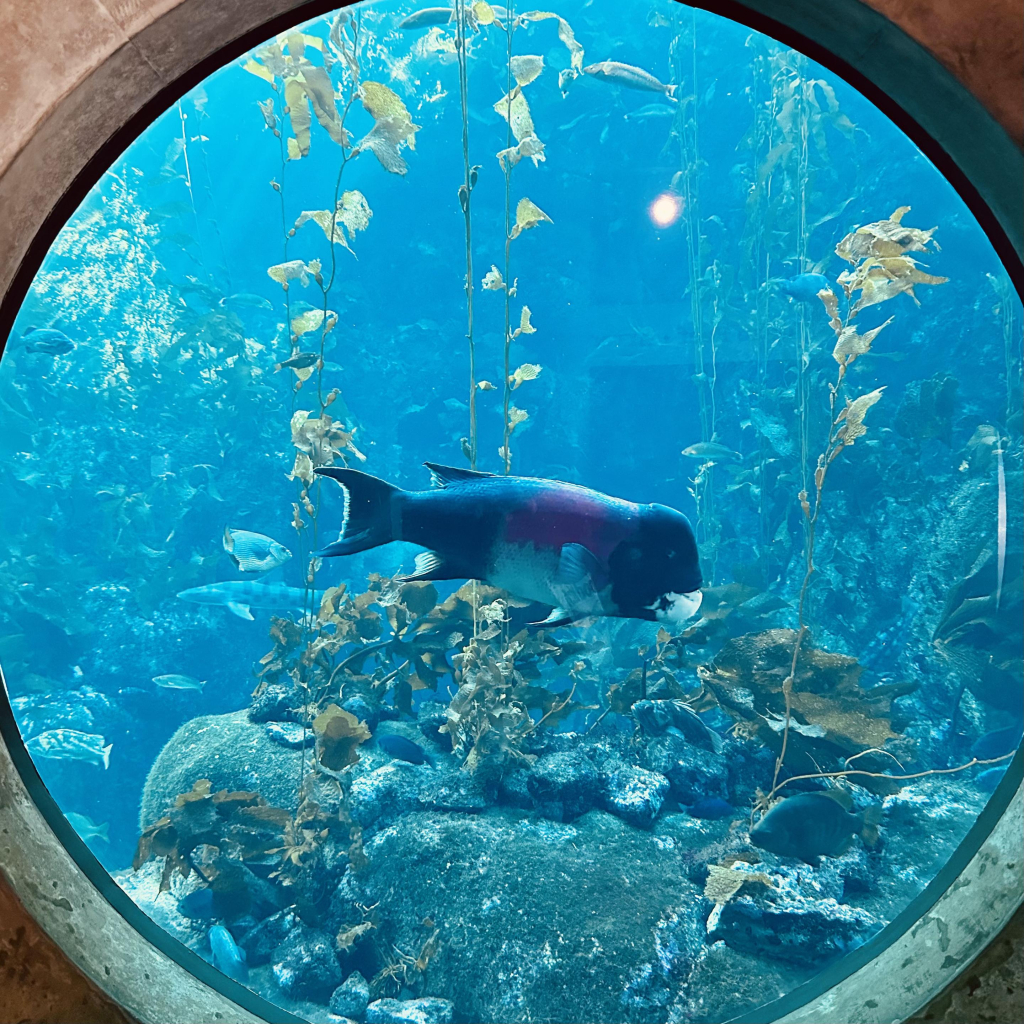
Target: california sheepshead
[[580, 551], [71, 745]]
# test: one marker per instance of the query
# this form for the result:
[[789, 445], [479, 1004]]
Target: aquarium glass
[[517, 738]]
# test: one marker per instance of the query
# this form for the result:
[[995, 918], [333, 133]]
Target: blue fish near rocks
[[227, 957], [579, 551], [403, 749], [711, 808], [241, 596], [804, 287]]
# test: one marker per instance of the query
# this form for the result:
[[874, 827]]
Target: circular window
[[516, 515]]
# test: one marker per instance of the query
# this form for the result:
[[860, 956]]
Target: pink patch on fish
[[565, 514]]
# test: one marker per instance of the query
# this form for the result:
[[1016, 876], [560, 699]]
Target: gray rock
[[305, 965], [351, 998], [522, 904], [692, 771], [452, 790], [796, 930], [386, 793], [432, 715], [276, 703], [634, 794], [233, 753], [365, 710], [564, 784], [259, 943], [290, 734], [678, 942], [428, 1010]]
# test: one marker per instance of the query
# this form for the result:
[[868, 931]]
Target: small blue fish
[[988, 780], [227, 957], [804, 287], [710, 808], [48, 341], [403, 749], [997, 743]]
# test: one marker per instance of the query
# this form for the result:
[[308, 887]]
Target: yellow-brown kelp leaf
[[492, 280], [852, 417], [486, 385], [297, 106], [724, 882], [514, 108], [515, 417], [528, 371], [831, 304], [525, 327], [311, 320], [528, 215], [526, 68], [483, 12], [565, 33], [293, 270], [353, 214], [885, 238], [883, 278], [338, 736], [850, 344], [276, 62], [254, 67], [530, 147], [320, 89], [348, 937], [303, 469], [393, 130]]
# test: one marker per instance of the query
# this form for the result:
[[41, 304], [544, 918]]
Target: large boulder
[[305, 965], [521, 905], [351, 997], [564, 784], [692, 771], [428, 1010], [634, 794]]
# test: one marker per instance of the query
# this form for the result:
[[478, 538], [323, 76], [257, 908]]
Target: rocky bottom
[[573, 894]]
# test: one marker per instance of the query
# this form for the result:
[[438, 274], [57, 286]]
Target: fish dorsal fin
[[840, 796], [445, 476]]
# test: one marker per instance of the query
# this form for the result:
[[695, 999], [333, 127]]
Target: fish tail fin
[[103, 832], [670, 92], [871, 816], [371, 515], [106, 754]]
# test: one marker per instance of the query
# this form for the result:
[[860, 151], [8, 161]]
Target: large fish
[[580, 551], [254, 552], [631, 77], [239, 596], [47, 340], [71, 745], [227, 957]]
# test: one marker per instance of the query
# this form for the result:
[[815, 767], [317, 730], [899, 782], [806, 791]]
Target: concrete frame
[[122, 63]]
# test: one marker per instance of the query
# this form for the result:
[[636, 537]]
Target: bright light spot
[[665, 209]]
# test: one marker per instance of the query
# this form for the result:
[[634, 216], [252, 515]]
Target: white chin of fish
[[682, 608]]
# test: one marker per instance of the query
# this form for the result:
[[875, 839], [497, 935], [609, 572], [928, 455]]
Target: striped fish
[[254, 552]]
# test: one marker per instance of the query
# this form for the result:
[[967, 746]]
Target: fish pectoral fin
[[578, 564], [444, 476], [241, 610], [579, 580], [558, 617], [429, 565]]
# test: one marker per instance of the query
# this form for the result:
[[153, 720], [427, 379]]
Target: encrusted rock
[[276, 703], [632, 793], [351, 998], [259, 943], [428, 1010], [364, 709], [290, 735], [452, 790], [384, 794], [564, 785], [432, 715], [305, 965], [692, 771], [797, 930]]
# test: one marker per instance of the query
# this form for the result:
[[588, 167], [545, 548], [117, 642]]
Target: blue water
[[125, 459]]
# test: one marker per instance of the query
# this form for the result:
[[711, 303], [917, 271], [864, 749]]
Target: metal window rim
[[154, 977]]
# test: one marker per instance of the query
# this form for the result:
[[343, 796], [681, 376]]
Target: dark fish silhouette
[[47, 340], [997, 743], [804, 287], [810, 826], [403, 749], [710, 807], [578, 550]]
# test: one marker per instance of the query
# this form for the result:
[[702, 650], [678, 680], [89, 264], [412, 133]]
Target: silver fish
[[629, 76], [71, 745], [652, 110], [711, 451], [87, 828], [427, 17], [239, 596], [254, 552], [174, 681]]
